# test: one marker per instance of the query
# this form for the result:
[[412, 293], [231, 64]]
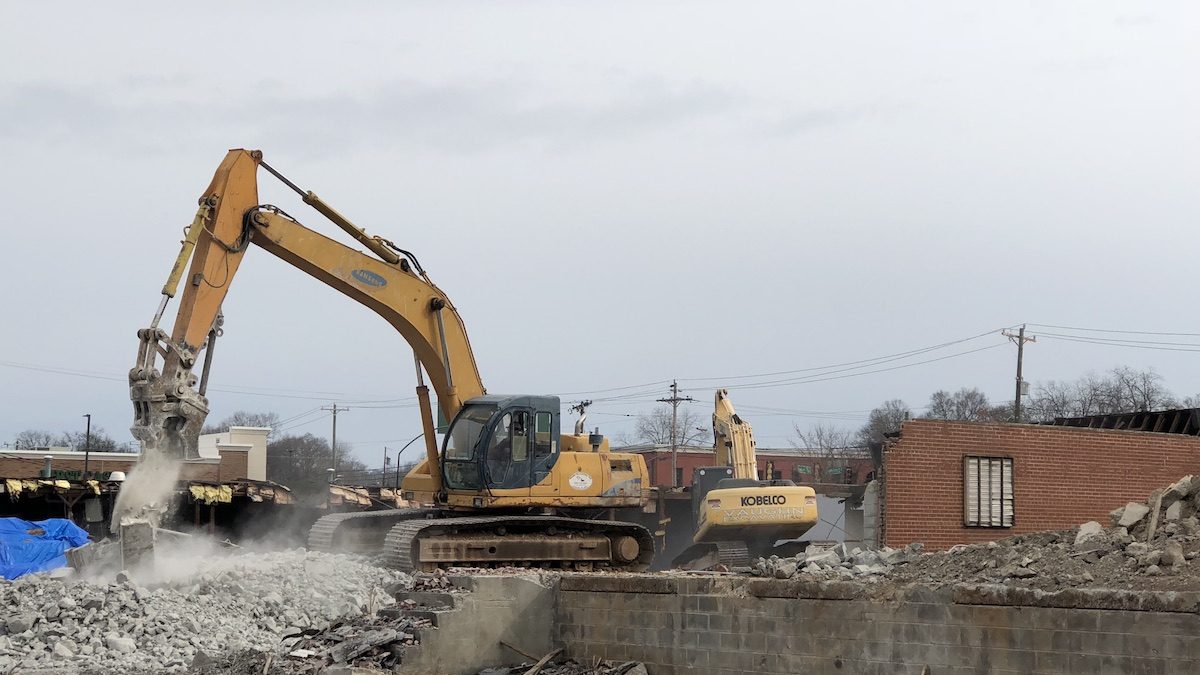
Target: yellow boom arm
[[733, 439], [169, 409]]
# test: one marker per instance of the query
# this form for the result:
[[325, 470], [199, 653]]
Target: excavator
[[505, 488], [738, 516]]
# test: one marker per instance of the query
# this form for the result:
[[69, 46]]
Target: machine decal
[[764, 500], [625, 488], [369, 278], [769, 515], [580, 481]]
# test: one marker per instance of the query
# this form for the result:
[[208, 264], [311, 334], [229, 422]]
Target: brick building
[[945, 483], [801, 466], [240, 453]]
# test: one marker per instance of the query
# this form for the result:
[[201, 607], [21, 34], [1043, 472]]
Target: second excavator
[[737, 515], [506, 487]]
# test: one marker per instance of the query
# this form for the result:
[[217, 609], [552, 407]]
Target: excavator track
[[360, 531], [709, 555], [502, 541], [733, 554]]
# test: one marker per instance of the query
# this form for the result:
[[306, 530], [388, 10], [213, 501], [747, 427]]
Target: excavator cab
[[501, 443]]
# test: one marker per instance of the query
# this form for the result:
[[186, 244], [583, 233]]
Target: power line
[[1125, 332], [866, 362], [227, 389], [1124, 340], [818, 378], [1118, 344]]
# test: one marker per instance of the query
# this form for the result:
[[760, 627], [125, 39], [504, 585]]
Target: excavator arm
[[170, 404], [733, 439]]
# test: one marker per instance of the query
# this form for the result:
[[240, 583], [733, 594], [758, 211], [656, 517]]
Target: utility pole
[[675, 400], [383, 472], [87, 445], [1020, 339], [333, 444]]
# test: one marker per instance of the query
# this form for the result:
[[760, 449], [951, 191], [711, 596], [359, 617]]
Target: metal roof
[[1184, 421]]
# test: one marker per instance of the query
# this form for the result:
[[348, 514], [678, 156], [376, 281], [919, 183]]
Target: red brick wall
[[1061, 476], [231, 467], [23, 467]]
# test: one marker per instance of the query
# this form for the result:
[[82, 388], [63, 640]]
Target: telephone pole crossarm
[[675, 400], [1019, 338]]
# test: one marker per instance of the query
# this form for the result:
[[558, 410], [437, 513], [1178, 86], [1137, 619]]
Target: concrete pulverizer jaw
[[168, 412]]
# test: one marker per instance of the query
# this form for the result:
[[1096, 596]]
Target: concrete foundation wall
[[732, 626]]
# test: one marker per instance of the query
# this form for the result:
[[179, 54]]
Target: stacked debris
[[1150, 545], [364, 642], [840, 562], [228, 606], [571, 668]]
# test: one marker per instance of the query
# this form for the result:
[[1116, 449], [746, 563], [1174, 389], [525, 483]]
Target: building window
[[988, 491], [679, 476]]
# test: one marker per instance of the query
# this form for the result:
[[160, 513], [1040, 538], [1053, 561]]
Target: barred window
[[988, 491]]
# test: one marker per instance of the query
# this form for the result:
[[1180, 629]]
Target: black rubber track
[[402, 540], [324, 533]]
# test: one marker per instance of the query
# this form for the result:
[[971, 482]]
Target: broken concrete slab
[[1180, 489], [1174, 511], [1088, 530], [1132, 514], [1172, 554], [137, 545]]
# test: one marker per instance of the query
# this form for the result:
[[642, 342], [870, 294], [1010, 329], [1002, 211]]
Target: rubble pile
[[233, 605], [573, 668], [840, 562], [1150, 545]]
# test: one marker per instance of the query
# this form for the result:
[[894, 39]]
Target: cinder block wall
[[736, 626], [1062, 476]]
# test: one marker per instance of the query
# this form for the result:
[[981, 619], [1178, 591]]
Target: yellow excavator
[[739, 516], [506, 488]]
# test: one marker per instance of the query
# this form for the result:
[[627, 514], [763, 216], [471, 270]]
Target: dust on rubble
[[147, 490], [1151, 546], [201, 611]]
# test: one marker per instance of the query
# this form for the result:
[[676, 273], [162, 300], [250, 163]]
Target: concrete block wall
[[1062, 476], [733, 626], [513, 609]]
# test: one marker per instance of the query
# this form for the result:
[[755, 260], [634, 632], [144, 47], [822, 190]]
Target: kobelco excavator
[[737, 515], [506, 488]]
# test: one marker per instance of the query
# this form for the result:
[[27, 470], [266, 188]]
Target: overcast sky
[[613, 194]]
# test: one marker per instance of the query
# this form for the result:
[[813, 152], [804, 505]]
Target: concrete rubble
[[572, 668], [228, 605], [1149, 545]]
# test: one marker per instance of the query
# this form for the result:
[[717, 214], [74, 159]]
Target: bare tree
[[826, 440], [966, 405], [690, 428], [99, 442], [242, 418], [31, 439], [885, 419], [302, 463], [1121, 390], [1139, 390]]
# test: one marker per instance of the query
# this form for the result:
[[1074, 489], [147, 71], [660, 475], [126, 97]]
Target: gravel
[[212, 606]]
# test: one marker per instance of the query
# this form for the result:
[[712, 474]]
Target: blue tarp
[[28, 546]]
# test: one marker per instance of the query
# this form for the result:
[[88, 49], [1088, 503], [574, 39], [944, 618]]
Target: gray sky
[[613, 194]]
